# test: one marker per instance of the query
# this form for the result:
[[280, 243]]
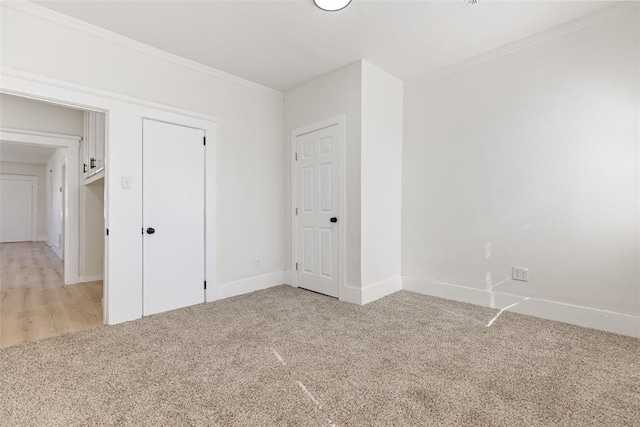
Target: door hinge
[[107, 231], [296, 266], [205, 284], [204, 140], [296, 157], [296, 211]]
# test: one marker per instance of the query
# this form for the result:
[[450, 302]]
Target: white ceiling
[[25, 153], [282, 44]]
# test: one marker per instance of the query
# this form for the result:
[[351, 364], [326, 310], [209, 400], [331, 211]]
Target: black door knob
[[151, 230], [334, 219]]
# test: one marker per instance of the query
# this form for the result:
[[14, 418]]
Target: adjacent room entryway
[[52, 213]]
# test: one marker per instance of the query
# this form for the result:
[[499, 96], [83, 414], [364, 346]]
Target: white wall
[[536, 154], [338, 93], [249, 141], [23, 113], [40, 171], [381, 175], [92, 230]]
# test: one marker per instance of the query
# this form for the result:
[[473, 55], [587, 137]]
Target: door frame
[[342, 217], [34, 199], [63, 205]]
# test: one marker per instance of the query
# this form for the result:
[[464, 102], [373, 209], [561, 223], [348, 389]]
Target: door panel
[[173, 205], [16, 210], [317, 183]]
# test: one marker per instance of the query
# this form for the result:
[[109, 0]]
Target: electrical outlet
[[520, 273], [257, 263]]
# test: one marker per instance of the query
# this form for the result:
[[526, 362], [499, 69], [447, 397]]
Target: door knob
[[151, 230], [334, 219]]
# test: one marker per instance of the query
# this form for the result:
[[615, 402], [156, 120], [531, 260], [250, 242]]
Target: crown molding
[[58, 18], [508, 48]]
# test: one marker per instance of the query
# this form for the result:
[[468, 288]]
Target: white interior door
[[173, 216], [16, 209], [317, 219]]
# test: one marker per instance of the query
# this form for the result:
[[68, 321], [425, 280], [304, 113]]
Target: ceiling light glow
[[332, 5]]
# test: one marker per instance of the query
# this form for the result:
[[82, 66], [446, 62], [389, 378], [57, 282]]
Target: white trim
[[49, 139], [244, 286], [34, 199], [590, 317], [93, 278], [52, 16], [289, 278], [65, 212], [340, 121], [56, 250], [522, 43], [351, 295], [381, 289], [6, 72]]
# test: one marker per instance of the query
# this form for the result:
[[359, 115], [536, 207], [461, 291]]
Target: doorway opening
[[52, 254]]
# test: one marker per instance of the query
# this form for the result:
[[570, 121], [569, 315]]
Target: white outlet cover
[[520, 273]]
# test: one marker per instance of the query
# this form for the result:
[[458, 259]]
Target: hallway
[[35, 303]]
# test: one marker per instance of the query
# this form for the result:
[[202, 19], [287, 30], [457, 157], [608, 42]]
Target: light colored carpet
[[290, 357]]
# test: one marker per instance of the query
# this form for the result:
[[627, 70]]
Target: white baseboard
[[351, 295], [288, 278], [604, 320], [245, 286], [56, 250], [381, 289], [93, 278], [41, 239]]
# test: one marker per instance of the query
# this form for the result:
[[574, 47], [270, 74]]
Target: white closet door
[[173, 216], [16, 209], [317, 229]]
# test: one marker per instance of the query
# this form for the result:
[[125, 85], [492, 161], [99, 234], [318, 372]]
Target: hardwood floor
[[34, 301]]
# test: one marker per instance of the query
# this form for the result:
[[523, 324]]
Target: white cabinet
[[93, 145]]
